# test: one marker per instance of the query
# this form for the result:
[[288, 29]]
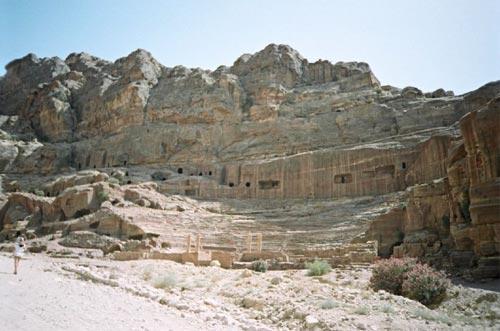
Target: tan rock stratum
[[268, 134]]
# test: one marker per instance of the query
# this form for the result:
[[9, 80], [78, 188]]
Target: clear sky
[[428, 44]]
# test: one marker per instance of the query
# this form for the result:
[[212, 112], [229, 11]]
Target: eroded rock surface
[[457, 216], [271, 127]]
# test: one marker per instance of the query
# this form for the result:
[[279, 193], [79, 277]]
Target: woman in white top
[[19, 248]]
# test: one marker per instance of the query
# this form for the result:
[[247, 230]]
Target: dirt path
[[38, 299], [102, 294]]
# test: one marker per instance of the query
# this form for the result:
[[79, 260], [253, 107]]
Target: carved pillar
[[188, 244], [198, 243], [249, 242], [259, 242]]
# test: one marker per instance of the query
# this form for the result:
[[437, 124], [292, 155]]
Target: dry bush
[[425, 285], [329, 304], [259, 266], [388, 275], [165, 281], [318, 268]]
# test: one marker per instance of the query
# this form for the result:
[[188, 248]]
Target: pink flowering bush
[[425, 285], [389, 274]]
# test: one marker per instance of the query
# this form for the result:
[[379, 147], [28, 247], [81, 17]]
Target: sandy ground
[[39, 298], [85, 294]]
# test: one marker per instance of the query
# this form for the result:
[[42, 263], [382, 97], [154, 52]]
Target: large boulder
[[411, 92], [87, 239], [106, 222], [20, 206], [57, 186]]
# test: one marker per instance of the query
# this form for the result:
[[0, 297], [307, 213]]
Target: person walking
[[19, 249]]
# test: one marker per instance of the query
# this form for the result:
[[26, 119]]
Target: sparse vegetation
[[165, 281], [318, 268], [114, 180], [387, 308], [361, 310], [413, 280], [259, 266], [429, 315], [329, 304], [148, 273], [388, 275], [39, 193], [103, 196], [425, 285]]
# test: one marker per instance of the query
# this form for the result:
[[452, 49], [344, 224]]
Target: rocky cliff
[[85, 112], [455, 218], [271, 126]]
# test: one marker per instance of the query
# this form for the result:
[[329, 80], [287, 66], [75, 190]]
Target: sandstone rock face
[[387, 230], [86, 239], [22, 76], [89, 203], [457, 216], [271, 126], [90, 113], [21, 205], [80, 178], [33, 211], [107, 222]]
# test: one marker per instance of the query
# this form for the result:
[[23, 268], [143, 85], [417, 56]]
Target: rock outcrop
[[457, 216], [271, 126], [88, 113]]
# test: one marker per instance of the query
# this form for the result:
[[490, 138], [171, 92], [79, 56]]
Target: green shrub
[[318, 268], [39, 193], [361, 310], [329, 304], [103, 196], [387, 308], [165, 281], [113, 180], [430, 315], [425, 285], [259, 266], [389, 274]]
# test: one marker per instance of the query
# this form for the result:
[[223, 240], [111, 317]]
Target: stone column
[[188, 244], [249, 242], [259, 242], [198, 243]]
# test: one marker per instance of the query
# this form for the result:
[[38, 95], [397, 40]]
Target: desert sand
[[80, 294]]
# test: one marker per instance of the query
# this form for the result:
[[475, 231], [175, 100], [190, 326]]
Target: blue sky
[[428, 44]]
